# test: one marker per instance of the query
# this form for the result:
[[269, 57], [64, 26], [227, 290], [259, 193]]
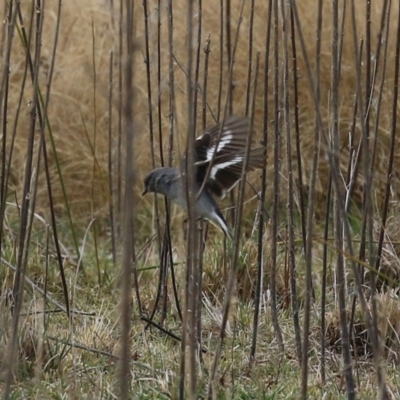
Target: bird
[[229, 144]]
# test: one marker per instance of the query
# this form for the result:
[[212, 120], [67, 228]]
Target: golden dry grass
[[75, 121]]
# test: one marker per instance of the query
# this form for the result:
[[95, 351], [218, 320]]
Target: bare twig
[[260, 242], [276, 186], [125, 376]]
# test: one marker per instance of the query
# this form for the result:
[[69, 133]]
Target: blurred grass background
[[78, 109]]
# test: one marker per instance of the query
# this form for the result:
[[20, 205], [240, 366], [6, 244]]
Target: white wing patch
[[216, 167], [225, 139]]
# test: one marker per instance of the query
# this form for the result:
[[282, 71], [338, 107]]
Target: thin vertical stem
[[221, 56], [249, 57], [150, 114], [189, 316], [110, 161], [5, 166], [338, 195], [172, 126], [260, 242], [128, 127], [275, 214], [120, 117], [328, 198], [290, 186], [229, 50]]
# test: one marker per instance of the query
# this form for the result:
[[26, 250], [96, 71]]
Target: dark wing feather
[[224, 178], [232, 141], [228, 162], [233, 138]]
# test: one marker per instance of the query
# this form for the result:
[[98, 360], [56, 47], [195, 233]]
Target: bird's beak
[[144, 191]]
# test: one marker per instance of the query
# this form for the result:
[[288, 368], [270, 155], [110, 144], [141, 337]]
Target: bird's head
[[149, 183], [156, 181]]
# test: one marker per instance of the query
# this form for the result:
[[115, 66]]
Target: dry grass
[[58, 358], [76, 122], [78, 359], [50, 366]]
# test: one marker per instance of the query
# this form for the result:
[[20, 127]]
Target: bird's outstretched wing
[[230, 149]]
